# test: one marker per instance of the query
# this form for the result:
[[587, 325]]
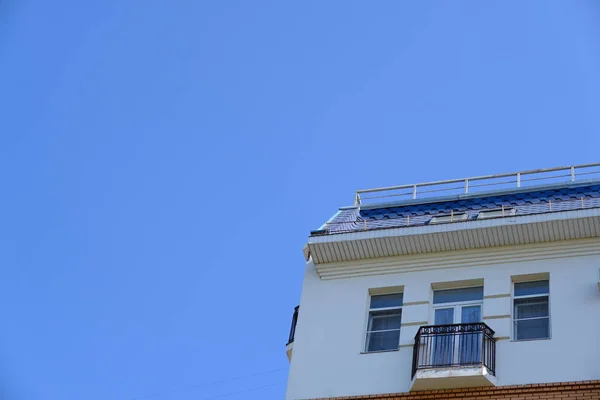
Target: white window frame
[[448, 218], [457, 306], [376, 310], [497, 213], [529, 296], [454, 304]]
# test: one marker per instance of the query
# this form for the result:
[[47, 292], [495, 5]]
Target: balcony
[[289, 347], [454, 356]]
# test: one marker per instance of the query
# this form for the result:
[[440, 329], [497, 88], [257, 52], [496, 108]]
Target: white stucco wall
[[327, 359]]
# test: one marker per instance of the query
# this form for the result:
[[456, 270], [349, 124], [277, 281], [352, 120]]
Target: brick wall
[[584, 390]]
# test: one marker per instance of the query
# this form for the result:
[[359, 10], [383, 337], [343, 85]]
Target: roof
[[516, 202]]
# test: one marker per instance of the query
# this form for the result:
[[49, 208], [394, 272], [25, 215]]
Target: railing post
[[573, 174], [483, 343], [518, 179], [466, 186], [415, 357], [414, 192], [493, 361]]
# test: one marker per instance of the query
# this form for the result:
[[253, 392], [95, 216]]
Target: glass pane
[[532, 329], [470, 348], [386, 300], [442, 350], [455, 295], [382, 320], [470, 314], [528, 288], [531, 307], [444, 316], [378, 341]]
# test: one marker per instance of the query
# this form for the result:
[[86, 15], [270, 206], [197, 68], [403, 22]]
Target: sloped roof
[[533, 200]]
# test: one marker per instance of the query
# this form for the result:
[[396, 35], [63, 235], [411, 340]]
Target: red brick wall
[[584, 390]]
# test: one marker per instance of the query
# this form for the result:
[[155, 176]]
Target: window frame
[[453, 217], [529, 296], [454, 304], [371, 310], [492, 213]]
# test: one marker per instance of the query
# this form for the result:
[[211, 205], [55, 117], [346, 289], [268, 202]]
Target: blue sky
[[164, 161]]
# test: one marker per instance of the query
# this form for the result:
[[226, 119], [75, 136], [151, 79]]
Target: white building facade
[[476, 289]]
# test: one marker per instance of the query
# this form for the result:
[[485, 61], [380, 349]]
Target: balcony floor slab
[[452, 378]]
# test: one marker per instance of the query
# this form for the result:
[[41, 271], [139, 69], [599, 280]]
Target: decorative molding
[[386, 290], [415, 303], [496, 296], [460, 259], [502, 337], [457, 284], [530, 277]]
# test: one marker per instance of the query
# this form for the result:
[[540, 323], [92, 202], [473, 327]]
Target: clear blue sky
[[162, 163]]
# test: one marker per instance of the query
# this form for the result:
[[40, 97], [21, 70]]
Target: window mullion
[[531, 318], [385, 309], [385, 330], [531, 296]]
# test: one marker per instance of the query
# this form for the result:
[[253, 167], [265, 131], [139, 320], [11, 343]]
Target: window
[[498, 212], [457, 306], [455, 217], [531, 314], [383, 330]]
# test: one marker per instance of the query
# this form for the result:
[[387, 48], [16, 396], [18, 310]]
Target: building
[[483, 288]]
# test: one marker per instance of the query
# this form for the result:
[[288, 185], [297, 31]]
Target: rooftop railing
[[478, 184]]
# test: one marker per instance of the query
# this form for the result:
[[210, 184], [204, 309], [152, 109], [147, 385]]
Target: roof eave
[[515, 230]]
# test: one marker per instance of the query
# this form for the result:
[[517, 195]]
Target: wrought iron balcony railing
[[293, 327], [454, 346]]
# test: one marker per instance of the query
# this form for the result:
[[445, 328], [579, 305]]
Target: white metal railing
[[479, 183]]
